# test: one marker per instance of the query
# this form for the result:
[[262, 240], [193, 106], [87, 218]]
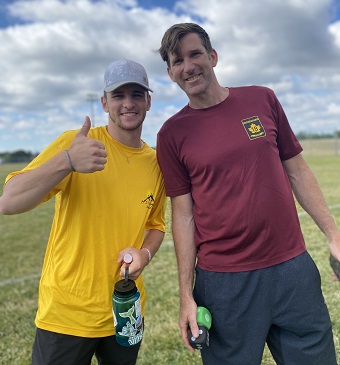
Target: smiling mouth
[[192, 78], [129, 114]]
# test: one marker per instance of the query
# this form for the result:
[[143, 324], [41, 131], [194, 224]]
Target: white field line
[[37, 276], [19, 280]]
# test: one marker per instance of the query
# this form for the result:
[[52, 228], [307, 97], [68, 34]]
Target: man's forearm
[[152, 241], [308, 193], [183, 234], [186, 265], [25, 191]]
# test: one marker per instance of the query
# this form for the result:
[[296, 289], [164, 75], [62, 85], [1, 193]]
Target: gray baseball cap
[[124, 72]]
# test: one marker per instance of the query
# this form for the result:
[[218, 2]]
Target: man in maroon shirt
[[230, 161]]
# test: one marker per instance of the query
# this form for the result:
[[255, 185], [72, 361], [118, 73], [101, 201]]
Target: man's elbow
[[6, 208]]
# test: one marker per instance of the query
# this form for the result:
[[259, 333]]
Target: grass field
[[22, 243]]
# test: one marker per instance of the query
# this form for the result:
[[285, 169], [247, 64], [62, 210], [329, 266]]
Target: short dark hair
[[171, 38]]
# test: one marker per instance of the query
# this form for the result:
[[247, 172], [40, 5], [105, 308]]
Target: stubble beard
[[117, 122]]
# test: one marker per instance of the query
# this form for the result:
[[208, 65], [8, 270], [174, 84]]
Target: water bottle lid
[[125, 288], [128, 258], [204, 317]]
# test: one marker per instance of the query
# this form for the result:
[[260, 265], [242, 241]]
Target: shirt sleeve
[[156, 219], [287, 142], [176, 177]]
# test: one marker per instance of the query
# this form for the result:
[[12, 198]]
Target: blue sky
[[54, 53]]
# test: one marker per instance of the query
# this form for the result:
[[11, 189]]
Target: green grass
[[22, 245]]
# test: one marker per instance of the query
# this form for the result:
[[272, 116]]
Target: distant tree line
[[305, 135], [17, 156]]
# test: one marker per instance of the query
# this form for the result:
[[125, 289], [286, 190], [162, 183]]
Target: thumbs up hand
[[87, 154], [84, 130]]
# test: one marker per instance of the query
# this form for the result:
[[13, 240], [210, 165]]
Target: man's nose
[[188, 65], [128, 102]]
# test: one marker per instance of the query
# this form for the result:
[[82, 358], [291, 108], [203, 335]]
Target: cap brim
[[116, 86]]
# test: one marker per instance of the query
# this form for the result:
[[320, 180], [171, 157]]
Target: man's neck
[[128, 138], [211, 98]]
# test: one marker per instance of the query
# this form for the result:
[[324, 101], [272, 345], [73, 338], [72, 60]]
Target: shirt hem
[[74, 332], [254, 265]]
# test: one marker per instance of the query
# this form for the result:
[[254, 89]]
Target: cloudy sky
[[53, 54]]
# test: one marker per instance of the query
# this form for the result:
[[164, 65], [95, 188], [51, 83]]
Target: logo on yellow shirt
[[253, 128], [149, 200]]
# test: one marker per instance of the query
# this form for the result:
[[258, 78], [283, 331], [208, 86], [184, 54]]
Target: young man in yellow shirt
[[109, 201]]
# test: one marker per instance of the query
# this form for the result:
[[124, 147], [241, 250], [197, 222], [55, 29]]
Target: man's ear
[[170, 74], [213, 57], [149, 102], [104, 104]]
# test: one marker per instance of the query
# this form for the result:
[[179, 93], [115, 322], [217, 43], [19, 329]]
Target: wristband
[[69, 161], [149, 254]]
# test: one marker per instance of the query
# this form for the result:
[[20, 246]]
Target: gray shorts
[[282, 305]]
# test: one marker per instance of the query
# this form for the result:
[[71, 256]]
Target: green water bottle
[[127, 312]]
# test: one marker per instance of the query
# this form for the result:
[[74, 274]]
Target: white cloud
[[334, 29], [58, 52]]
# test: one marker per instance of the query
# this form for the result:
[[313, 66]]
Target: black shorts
[[52, 348], [281, 305]]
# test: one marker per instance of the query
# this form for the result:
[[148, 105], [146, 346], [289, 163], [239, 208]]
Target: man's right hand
[[188, 312], [86, 154]]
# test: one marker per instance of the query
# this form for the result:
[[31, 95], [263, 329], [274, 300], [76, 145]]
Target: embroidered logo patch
[[253, 127]]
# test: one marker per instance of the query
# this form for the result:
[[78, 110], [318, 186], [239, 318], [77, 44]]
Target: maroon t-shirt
[[229, 157]]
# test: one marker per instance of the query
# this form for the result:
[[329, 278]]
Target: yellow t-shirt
[[96, 216]]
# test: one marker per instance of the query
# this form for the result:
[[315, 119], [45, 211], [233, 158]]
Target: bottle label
[[114, 318], [132, 328]]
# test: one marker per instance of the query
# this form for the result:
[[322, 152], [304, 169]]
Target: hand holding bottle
[[204, 321], [138, 263]]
